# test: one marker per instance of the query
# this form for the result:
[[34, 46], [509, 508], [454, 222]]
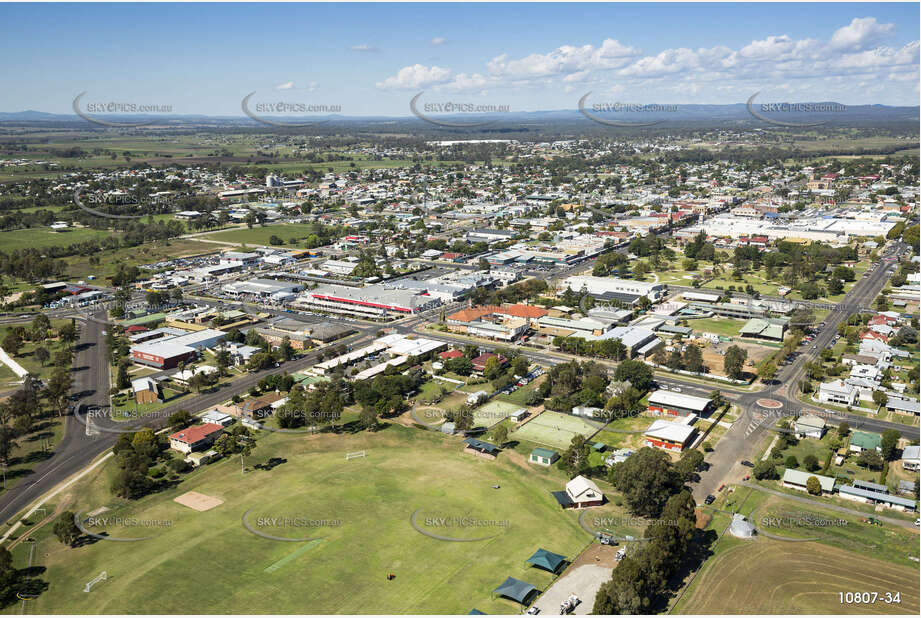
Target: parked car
[[709, 499], [747, 463]]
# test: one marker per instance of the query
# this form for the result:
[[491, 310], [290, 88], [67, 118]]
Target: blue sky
[[372, 58]]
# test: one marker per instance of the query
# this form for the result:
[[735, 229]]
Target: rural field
[[766, 576], [827, 552], [361, 530]]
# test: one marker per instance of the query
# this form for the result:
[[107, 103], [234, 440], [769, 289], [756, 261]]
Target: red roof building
[[479, 363], [450, 354], [880, 319], [870, 334], [195, 438]]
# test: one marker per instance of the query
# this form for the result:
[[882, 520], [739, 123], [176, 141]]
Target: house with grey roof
[[797, 479], [809, 426]]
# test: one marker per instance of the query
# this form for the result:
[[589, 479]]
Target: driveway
[[583, 578], [583, 581]]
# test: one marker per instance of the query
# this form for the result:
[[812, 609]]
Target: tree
[[12, 342], [690, 462], [65, 528], [40, 326], [869, 458], [462, 366], [500, 435], [813, 486], [734, 361], [635, 372], [179, 420], [888, 444], [626, 592], [765, 470], [492, 368], [811, 462], [68, 332], [843, 430], [122, 379], [880, 398], [717, 399], [42, 355], [7, 443], [646, 480], [259, 361], [791, 461], [367, 418], [693, 359], [287, 352], [575, 458], [674, 360], [222, 360], [767, 370]]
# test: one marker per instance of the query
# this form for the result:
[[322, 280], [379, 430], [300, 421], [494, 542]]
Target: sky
[[372, 59]]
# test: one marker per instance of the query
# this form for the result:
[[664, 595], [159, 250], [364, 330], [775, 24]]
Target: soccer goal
[[355, 455], [99, 578]]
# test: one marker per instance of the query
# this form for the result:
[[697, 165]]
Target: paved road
[[76, 449]]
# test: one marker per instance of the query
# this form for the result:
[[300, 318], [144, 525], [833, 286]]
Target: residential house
[[809, 426], [797, 479], [146, 390]]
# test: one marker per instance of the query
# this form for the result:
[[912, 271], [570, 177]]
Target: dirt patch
[[197, 501], [714, 360], [517, 458], [703, 519], [597, 554]]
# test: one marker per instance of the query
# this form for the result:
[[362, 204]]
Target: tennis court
[[493, 412], [555, 429]]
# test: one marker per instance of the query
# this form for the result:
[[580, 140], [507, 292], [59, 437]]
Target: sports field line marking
[[295, 554]]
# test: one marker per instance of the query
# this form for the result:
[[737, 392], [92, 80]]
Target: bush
[[765, 470], [179, 465], [811, 463], [157, 472], [791, 462]]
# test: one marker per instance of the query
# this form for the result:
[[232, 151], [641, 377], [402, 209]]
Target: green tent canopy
[[515, 590], [546, 560]]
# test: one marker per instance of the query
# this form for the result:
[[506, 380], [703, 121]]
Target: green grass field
[[727, 327], [554, 429], [46, 237], [261, 235], [372, 498]]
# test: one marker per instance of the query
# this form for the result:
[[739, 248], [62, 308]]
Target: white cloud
[[285, 86], [417, 76], [439, 40], [563, 60], [856, 53], [364, 47], [861, 33]]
